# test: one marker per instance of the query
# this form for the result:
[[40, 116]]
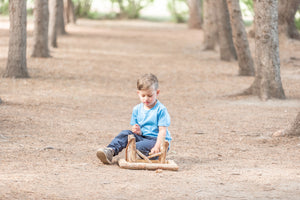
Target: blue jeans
[[143, 143]]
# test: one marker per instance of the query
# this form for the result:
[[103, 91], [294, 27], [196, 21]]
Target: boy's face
[[148, 97]]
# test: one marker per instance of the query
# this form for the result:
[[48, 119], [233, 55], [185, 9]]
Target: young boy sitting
[[150, 120]]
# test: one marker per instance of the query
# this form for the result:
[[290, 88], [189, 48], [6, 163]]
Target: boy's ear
[[157, 91]]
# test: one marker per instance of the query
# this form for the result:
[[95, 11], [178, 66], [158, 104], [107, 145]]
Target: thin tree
[[40, 33], [239, 34], [286, 18], [53, 10], [267, 83], [60, 18], [292, 130], [195, 14], [16, 62], [227, 50], [69, 12], [210, 28]]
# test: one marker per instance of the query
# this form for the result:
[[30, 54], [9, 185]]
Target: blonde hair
[[147, 81]]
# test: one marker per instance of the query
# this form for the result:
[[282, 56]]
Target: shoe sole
[[101, 155]]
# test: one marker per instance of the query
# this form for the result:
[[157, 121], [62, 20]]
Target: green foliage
[[178, 14], [131, 8], [249, 4], [155, 18], [4, 7], [30, 6], [83, 8], [247, 11]]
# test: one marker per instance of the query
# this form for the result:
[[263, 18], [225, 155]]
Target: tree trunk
[[69, 12], [40, 33], [267, 83], [227, 51], [195, 14], [209, 25], [286, 18], [16, 62], [60, 18], [53, 9], [246, 66]]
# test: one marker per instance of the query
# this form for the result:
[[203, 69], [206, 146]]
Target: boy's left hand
[[155, 149]]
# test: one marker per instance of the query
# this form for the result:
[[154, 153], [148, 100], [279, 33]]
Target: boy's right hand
[[136, 129]]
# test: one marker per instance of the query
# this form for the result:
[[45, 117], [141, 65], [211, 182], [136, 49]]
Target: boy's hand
[[155, 149], [136, 129]]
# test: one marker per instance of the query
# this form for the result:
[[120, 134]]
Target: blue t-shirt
[[150, 120]]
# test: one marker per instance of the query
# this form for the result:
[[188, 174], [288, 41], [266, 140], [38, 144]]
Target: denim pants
[[143, 143]]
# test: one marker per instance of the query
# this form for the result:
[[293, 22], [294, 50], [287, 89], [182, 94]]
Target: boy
[[149, 120]]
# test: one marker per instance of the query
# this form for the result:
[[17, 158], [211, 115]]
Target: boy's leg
[[120, 141], [113, 149], [145, 145]]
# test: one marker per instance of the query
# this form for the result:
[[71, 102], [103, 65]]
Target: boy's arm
[[160, 139], [136, 129]]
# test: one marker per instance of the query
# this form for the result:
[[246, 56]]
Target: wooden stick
[[130, 152], [154, 155], [163, 148], [169, 165], [143, 156]]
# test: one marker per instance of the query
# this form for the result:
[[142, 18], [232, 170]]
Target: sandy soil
[[75, 102]]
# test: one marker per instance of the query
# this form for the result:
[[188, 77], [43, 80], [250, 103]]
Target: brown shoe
[[105, 155]]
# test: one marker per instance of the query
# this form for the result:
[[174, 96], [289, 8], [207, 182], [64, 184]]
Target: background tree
[[175, 9], [267, 83], [69, 11], [210, 29], [16, 62], [53, 13], [40, 33], [246, 66], [195, 14], [60, 18], [286, 18], [227, 50], [131, 8]]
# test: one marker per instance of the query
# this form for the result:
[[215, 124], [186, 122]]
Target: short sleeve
[[164, 118], [134, 120]]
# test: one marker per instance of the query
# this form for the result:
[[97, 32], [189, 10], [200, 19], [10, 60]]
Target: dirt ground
[[52, 124]]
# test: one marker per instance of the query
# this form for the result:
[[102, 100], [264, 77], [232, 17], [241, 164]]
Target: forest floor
[[52, 124]]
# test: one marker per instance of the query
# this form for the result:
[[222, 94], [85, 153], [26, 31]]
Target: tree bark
[[227, 50], [16, 62], [286, 18], [239, 34], [195, 14], [40, 33], [209, 25], [53, 9], [69, 12], [267, 83], [60, 18]]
